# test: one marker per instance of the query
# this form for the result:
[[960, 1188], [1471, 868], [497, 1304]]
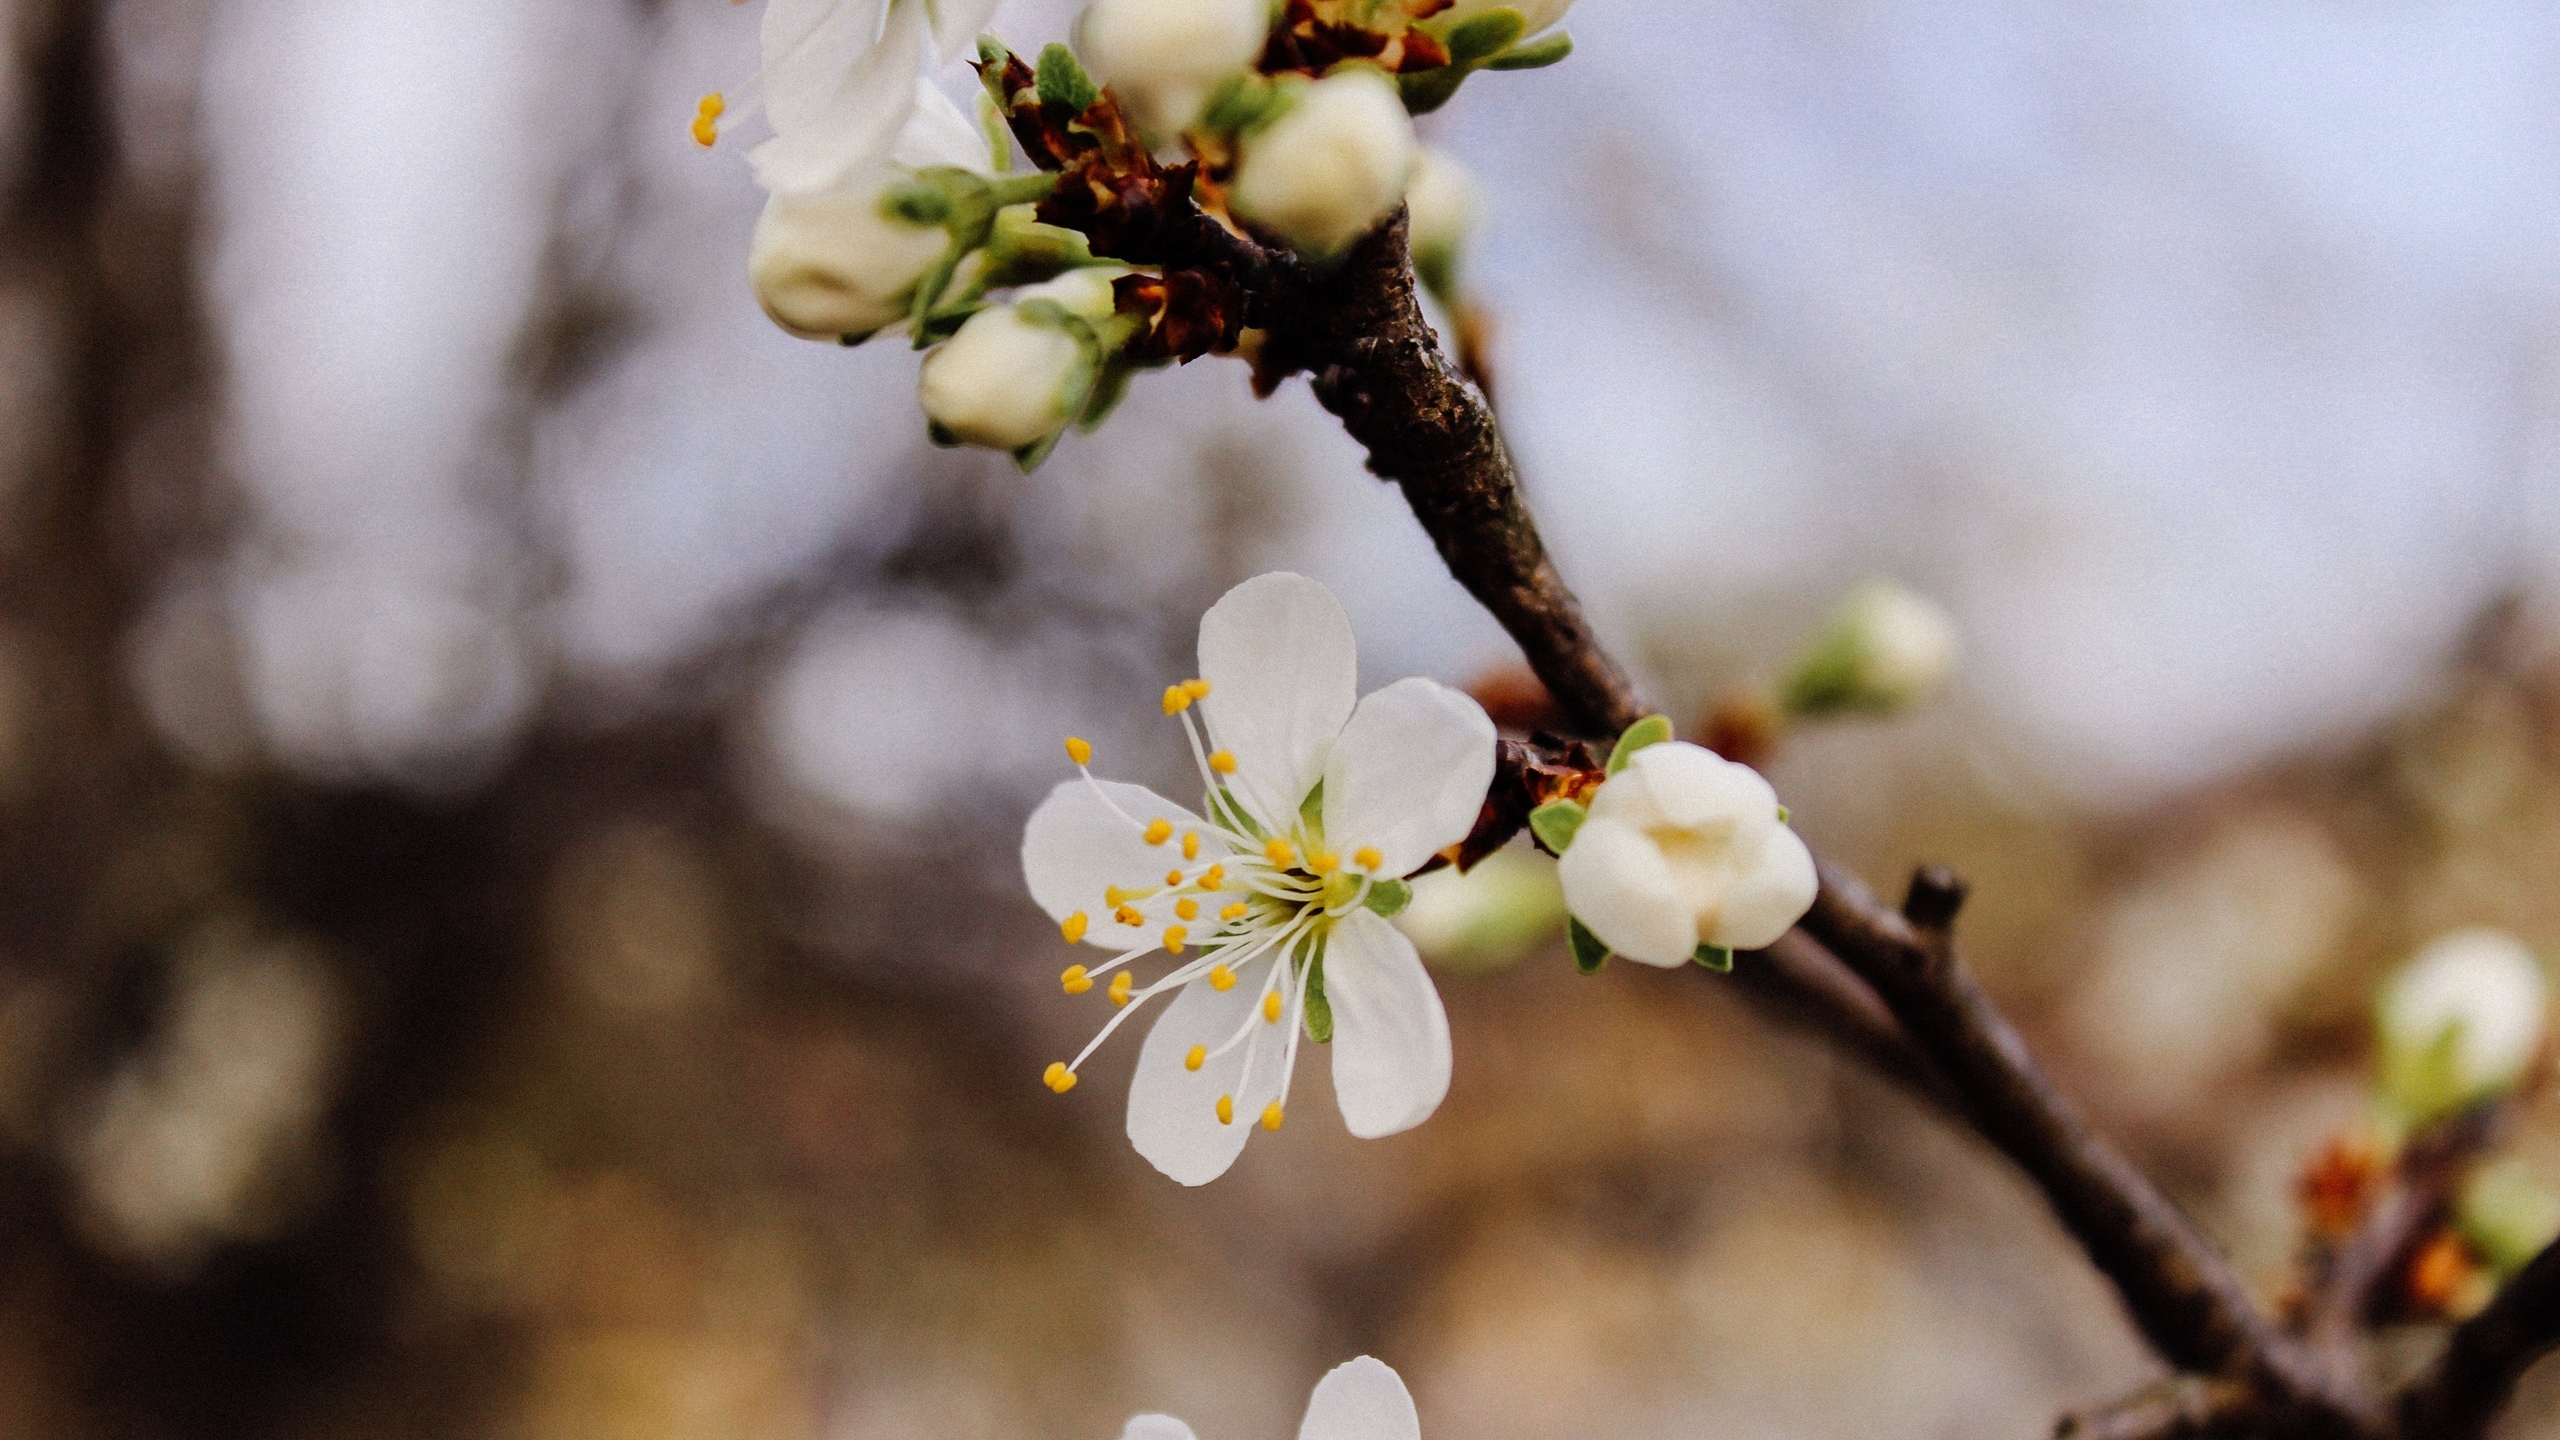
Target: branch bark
[[2471, 1381]]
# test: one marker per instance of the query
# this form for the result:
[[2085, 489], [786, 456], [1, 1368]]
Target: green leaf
[[1319, 1011], [1063, 82], [1651, 730], [1389, 897], [1536, 55], [1484, 36], [1588, 953], [1715, 957], [1556, 822], [1427, 90]]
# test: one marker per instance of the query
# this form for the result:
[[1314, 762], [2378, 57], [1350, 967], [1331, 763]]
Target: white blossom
[[1164, 58], [1360, 1399], [839, 85], [1269, 905], [1442, 201], [1012, 378], [1685, 848], [1332, 166], [1885, 649], [2461, 1022]]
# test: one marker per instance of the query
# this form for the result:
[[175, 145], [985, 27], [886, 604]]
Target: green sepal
[[1588, 953], [1311, 813], [1651, 730], [1715, 957], [1538, 54], [1318, 1011], [1109, 388], [1784, 814], [1030, 457], [1022, 251], [1482, 37], [1224, 809], [1062, 81], [918, 203], [992, 129], [1247, 102], [940, 435], [1389, 897], [1556, 822], [1424, 91]]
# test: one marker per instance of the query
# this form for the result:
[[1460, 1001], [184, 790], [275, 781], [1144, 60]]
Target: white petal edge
[[1173, 1110], [809, 46], [957, 25], [1073, 846], [1361, 1399], [1391, 1055], [938, 133], [861, 119], [1283, 673], [1619, 886], [1156, 1427], [1697, 789], [1767, 898], [1408, 775]]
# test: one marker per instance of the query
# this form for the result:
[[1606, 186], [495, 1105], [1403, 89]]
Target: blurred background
[[512, 766]]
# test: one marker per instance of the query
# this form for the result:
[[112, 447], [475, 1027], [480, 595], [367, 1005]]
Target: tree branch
[[1359, 332], [2456, 1397], [2183, 1407]]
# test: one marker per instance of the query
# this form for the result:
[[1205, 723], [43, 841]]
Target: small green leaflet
[[1484, 36], [1716, 958], [1651, 730], [1556, 823], [1538, 54], [1588, 952], [1062, 81]]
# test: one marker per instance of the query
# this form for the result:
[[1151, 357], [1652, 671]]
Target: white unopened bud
[[1681, 849], [1538, 13], [839, 264], [1014, 376], [2460, 1023], [1886, 649], [1333, 166], [1441, 204], [1164, 58]]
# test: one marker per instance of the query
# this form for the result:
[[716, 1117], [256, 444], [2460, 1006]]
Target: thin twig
[[2351, 1284], [2470, 1382], [2183, 1407]]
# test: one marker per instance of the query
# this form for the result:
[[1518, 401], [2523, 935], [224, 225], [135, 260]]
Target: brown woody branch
[[1359, 333], [2472, 1380], [2182, 1407]]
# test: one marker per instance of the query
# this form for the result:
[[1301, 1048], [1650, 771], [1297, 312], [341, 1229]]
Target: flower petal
[[1361, 1399], [1408, 775], [938, 133], [1283, 672], [859, 121], [1173, 1109], [809, 46], [1617, 883], [1156, 1427], [1074, 846], [1694, 788], [957, 23], [1390, 1036], [1771, 894]]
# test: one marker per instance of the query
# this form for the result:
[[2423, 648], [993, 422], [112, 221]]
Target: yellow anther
[[1128, 915], [1224, 762], [1236, 911], [1058, 1077], [1120, 984], [1271, 1007], [1196, 689], [1076, 980], [1114, 896], [1080, 751], [1221, 978], [1213, 877], [1176, 699], [1226, 1109], [1159, 830], [1271, 1116], [706, 119], [1325, 863], [1277, 851], [1198, 1057], [1174, 938], [1190, 844], [1187, 909], [1368, 858], [1073, 927]]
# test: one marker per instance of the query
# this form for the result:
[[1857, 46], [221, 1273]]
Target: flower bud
[[1163, 58], [2508, 1214], [2459, 1024], [1441, 201], [1886, 649], [839, 264], [1019, 373], [1539, 14], [1683, 849], [1332, 166]]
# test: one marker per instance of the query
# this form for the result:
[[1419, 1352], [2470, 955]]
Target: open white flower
[[839, 84], [1361, 1399], [1682, 849], [1269, 906]]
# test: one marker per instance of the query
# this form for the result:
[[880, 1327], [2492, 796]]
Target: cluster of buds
[[1184, 152]]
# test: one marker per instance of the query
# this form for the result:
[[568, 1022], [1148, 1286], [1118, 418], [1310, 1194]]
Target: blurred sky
[[2201, 359]]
